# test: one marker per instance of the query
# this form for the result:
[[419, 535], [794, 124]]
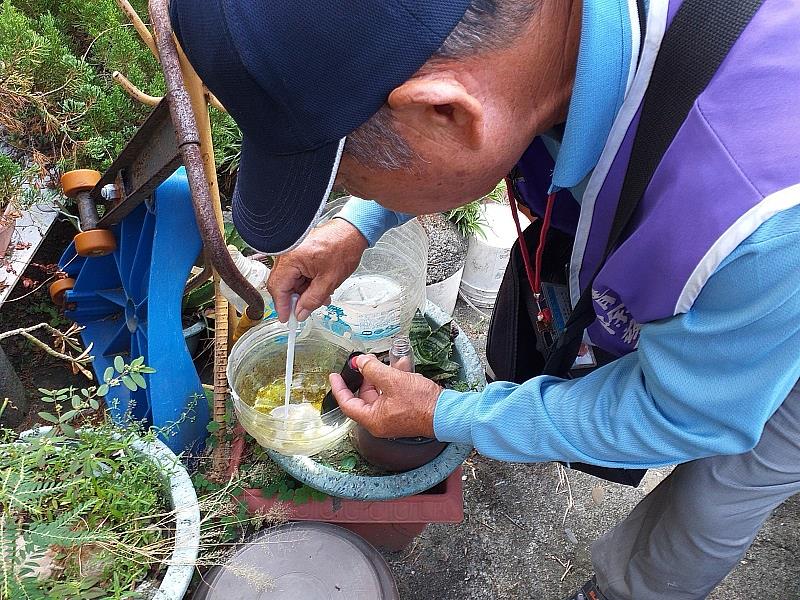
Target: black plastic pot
[[395, 454]]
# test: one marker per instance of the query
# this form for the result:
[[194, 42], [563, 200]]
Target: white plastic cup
[[444, 294]]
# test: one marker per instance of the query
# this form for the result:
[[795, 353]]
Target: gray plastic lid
[[304, 560]]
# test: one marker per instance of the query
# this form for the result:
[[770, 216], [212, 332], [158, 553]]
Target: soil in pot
[[447, 248]]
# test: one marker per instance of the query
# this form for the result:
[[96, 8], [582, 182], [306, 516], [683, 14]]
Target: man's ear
[[439, 109]]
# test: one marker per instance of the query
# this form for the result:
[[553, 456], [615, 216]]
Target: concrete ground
[[516, 543]]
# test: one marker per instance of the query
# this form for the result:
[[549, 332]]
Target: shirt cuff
[[453, 416], [370, 218]]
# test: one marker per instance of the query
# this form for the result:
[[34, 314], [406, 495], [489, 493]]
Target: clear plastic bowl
[[258, 359]]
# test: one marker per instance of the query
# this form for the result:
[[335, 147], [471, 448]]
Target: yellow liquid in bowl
[[307, 387]]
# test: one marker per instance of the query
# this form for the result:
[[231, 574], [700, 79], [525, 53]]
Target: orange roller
[[59, 288], [80, 180], [95, 242]]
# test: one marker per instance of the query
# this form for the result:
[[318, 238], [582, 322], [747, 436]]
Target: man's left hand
[[391, 403]]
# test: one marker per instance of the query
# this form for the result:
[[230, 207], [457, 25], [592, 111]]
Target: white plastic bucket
[[487, 257], [478, 297], [445, 293]]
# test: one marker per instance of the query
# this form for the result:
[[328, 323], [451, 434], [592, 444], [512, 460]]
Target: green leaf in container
[[270, 490], [348, 463], [139, 380], [302, 495], [119, 364], [200, 297], [48, 417], [67, 416], [102, 390], [433, 347], [420, 328], [232, 237], [129, 383]]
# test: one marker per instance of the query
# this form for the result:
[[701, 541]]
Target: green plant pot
[[183, 501]]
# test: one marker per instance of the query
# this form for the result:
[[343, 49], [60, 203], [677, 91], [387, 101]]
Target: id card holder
[[555, 301]]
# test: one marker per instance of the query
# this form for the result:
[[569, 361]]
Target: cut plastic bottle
[[257, 274]]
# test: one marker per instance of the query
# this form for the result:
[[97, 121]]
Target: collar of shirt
[[609, 47]]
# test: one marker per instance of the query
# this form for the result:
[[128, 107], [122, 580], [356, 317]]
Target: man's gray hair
[[486, 25]]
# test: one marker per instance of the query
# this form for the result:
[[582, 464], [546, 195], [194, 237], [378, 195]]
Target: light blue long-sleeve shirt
[[702, 383], [370, 218]]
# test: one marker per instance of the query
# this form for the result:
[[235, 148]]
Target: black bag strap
[[699, 38]]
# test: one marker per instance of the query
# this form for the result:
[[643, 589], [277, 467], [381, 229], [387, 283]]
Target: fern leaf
[[59, 532]]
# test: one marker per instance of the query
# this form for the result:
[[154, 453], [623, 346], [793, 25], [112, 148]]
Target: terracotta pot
[[387, 524], [396, 455], [7, 222]]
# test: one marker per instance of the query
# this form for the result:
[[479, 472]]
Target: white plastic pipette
[[289, 377]]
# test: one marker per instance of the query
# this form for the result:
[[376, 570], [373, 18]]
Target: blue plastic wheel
[[129, 304]]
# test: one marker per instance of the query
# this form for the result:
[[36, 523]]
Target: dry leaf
[[598, 494]]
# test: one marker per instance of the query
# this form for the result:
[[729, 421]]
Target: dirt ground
[[515, 542], [28, 304]]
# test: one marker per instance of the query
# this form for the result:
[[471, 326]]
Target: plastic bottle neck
[[240, 260]]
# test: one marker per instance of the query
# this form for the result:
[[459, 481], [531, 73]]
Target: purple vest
[[734, 163]]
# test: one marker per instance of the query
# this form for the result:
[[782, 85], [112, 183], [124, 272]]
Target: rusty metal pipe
[[189, 143]]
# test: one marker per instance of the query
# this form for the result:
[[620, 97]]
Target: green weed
[[469, 219]]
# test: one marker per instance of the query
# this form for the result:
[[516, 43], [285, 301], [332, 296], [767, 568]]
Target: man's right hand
[[314, 269]]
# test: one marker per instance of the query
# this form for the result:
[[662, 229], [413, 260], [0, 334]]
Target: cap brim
[[278, 198]]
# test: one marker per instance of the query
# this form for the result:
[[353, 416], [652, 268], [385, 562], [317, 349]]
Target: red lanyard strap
[[535, 274]]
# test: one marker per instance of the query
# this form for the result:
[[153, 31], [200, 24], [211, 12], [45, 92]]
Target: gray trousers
[[695, 526]]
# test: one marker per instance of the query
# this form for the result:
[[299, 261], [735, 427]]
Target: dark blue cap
[[298, 76]]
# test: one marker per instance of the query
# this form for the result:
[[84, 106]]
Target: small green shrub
[[81, 511], [57, 96], [469, 219], [84, 516], [18, 186], [10, 170]]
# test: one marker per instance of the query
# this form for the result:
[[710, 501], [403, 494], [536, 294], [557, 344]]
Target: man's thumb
[[351, 405], [375, 372]]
